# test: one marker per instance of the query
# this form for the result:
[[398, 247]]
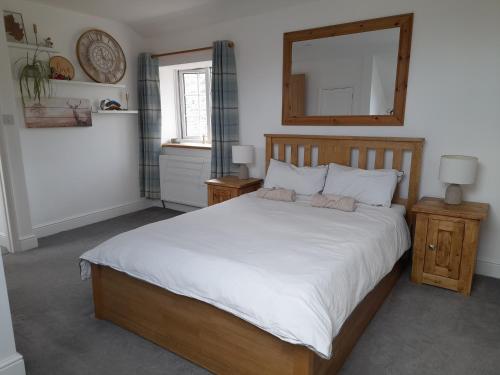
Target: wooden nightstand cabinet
[[225, 188], [445, 244]]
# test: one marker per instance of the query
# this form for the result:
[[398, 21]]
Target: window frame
[[181, 103]]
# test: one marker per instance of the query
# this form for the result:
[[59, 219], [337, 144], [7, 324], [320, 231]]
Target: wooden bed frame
[[223, 343]]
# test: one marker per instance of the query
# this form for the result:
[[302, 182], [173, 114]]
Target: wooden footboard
[[215, 339]]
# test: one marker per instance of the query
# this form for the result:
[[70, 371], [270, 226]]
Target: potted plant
[[34, 77]]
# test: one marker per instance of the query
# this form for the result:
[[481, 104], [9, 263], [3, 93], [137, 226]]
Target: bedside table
[[225, 188], [445, 244]]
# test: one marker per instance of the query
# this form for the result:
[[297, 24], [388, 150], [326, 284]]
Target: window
[[194, 103]]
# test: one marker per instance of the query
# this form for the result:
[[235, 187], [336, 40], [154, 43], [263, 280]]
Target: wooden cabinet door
[[219, 195], [443, 249]]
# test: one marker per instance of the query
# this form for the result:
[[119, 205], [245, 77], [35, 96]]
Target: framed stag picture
[[58, 113]]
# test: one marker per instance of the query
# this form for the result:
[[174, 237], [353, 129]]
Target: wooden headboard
[[319, 149]]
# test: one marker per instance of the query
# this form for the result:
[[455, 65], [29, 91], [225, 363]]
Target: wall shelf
[[124, 112], [31, 47], [87, 83]]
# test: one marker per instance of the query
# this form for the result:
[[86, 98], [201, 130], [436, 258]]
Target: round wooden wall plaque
[[61, 68]]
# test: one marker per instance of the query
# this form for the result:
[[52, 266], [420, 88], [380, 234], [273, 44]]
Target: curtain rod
[[231, 45]]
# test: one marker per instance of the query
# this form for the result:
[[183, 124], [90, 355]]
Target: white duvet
[[293, 270]]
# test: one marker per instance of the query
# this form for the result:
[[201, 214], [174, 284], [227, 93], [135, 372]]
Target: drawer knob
[[432, 247]]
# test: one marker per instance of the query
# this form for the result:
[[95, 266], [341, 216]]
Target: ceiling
[[153, 17]]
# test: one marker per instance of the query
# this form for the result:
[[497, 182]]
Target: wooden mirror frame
[[405, 24]]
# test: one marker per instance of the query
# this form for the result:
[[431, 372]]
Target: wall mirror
[[349, 74]]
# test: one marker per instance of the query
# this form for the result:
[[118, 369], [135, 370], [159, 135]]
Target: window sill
[[199, 146]]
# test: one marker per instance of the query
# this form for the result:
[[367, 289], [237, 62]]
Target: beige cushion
[[276, 194], [337, 202]]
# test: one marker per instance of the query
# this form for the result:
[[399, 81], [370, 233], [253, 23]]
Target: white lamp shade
[[458, 169], [242, 154]]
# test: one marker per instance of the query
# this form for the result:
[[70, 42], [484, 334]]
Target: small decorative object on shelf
[[34, 81], [48, 42], [14, 27], [110, 105], [35, 31], [61, 68]]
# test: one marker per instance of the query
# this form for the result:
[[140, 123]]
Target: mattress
[[292, 270]]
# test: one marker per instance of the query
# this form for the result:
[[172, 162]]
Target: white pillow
[[304, 180], [375, 187]]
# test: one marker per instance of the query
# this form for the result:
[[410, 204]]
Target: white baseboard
[[28, 242], [47, 229], [25, 243], [177, 206], [12, 365], [488, 267], [4, 240]]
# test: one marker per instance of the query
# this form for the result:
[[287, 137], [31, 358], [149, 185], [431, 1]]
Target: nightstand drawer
[[225, 188], [220, 194]]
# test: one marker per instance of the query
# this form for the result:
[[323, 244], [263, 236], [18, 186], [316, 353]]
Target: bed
[[288, 290]]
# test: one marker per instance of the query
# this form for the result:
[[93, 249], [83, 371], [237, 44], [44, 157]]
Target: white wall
[[78, 175], [3, 224], [11, 154], [11, 362], [453, 89]]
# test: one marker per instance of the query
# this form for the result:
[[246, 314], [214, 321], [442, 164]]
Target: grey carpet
[[419, 329]]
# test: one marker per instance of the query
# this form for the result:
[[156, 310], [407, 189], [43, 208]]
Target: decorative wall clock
[[101, 57]]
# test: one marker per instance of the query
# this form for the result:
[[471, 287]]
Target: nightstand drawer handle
[[432, 247]]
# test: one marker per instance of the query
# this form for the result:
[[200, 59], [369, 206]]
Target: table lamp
[[243, 155], [457, 170]]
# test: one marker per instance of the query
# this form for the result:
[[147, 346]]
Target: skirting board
[[488, 267], [176, 206], [25, 243], [12, 365], [47, 229], [28, 242], [4, 240]]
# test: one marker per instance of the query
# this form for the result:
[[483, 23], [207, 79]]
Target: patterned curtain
[[225, 122], [149, 126]]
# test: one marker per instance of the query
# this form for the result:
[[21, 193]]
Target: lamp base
[[453, 194], [243, 172]]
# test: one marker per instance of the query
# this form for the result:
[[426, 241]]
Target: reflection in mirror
[[345, 75]]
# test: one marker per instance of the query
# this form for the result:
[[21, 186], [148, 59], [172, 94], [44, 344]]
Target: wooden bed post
[[96, 290], [269, 151], [303, 361]]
